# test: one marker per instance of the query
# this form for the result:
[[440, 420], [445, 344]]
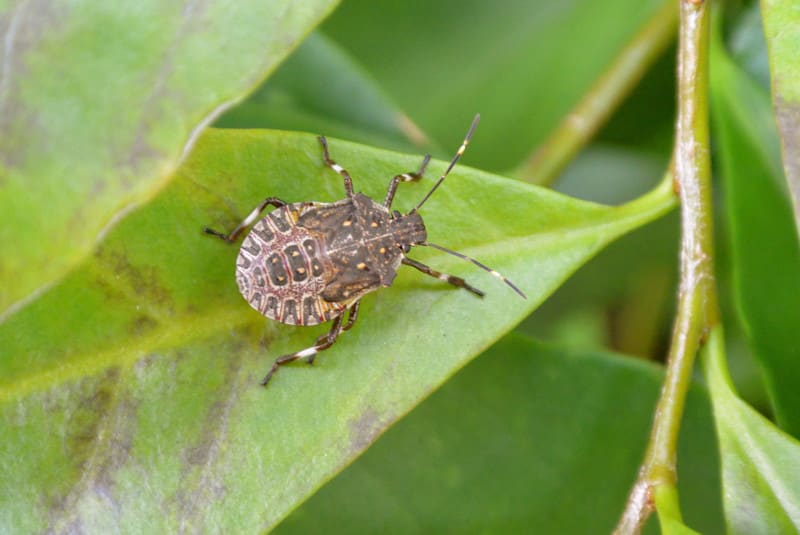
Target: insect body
[[308, 263]]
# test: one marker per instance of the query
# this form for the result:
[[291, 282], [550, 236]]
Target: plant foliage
[[129, 364]]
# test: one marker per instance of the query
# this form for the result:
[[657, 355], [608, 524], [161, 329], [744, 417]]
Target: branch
[[697, 302]]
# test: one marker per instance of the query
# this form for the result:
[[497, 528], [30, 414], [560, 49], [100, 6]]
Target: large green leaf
[[527, 438], [98, 102], [765, 248], [136, 378], [782, 29], [760, 463], [522, 65]]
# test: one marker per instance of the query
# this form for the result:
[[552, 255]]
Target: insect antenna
[[460, 151], [480, 265]]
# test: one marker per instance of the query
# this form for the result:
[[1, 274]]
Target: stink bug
[[307, 263]]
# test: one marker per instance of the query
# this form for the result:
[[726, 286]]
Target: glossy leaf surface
[[98, 103], [522, 65], [528, 437], [760, 463], [782, 30], [145, 395], [320, 88], [764, 244]]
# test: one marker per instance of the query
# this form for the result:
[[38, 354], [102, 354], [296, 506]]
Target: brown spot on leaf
[[99, 439], [23, 29], [85, 418], [142, 325], [141, 282], [788, 116], [202, 481], [364, 430]]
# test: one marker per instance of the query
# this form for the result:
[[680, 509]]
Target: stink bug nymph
[[307, 263]]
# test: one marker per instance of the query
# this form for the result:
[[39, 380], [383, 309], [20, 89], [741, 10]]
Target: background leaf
[[129, 387], [764, 244], [760, 464], [522, 65], [98, 102], [528, 436], [155, 322], [321, 89], [782, 29]]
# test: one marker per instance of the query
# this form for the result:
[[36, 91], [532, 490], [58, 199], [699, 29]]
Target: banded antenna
[[479, 264], [460, 151], [484, 267]]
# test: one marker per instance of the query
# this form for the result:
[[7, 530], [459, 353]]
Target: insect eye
[[396, 214], [406, 247]]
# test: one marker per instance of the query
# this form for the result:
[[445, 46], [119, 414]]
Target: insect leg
[[348, 182], [450, 279], [405, 177], [323, 342], [249, 220], [351, 319], [353, 315]]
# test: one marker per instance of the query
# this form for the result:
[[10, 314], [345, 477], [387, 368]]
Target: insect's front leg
[[230, 238], [405, 177], [348, 182]]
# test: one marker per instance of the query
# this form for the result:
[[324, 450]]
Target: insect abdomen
[[281, 270]]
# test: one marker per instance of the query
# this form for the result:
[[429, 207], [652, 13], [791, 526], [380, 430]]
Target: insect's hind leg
[[249, 220], [323, 342], [348, 182], [351, 319], [450, 279], [405, 177], [353, 315]]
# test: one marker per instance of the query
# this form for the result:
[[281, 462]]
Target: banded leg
[[323, 342], [348, 182], [249, 220], [353, 315], [405, 177], [450, 279], [351, 319]]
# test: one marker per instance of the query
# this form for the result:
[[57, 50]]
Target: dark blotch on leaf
[[364, 430], [142, 282]]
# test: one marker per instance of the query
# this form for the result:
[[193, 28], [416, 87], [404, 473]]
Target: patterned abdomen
[[282, 269]]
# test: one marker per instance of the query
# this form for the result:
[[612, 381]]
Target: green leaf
[[519, 64], [98, 103], [527, 438], [760, 463], [140, 370], [321, 89], [746, 43], [764, 244], [669, 515], [782, 29]]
